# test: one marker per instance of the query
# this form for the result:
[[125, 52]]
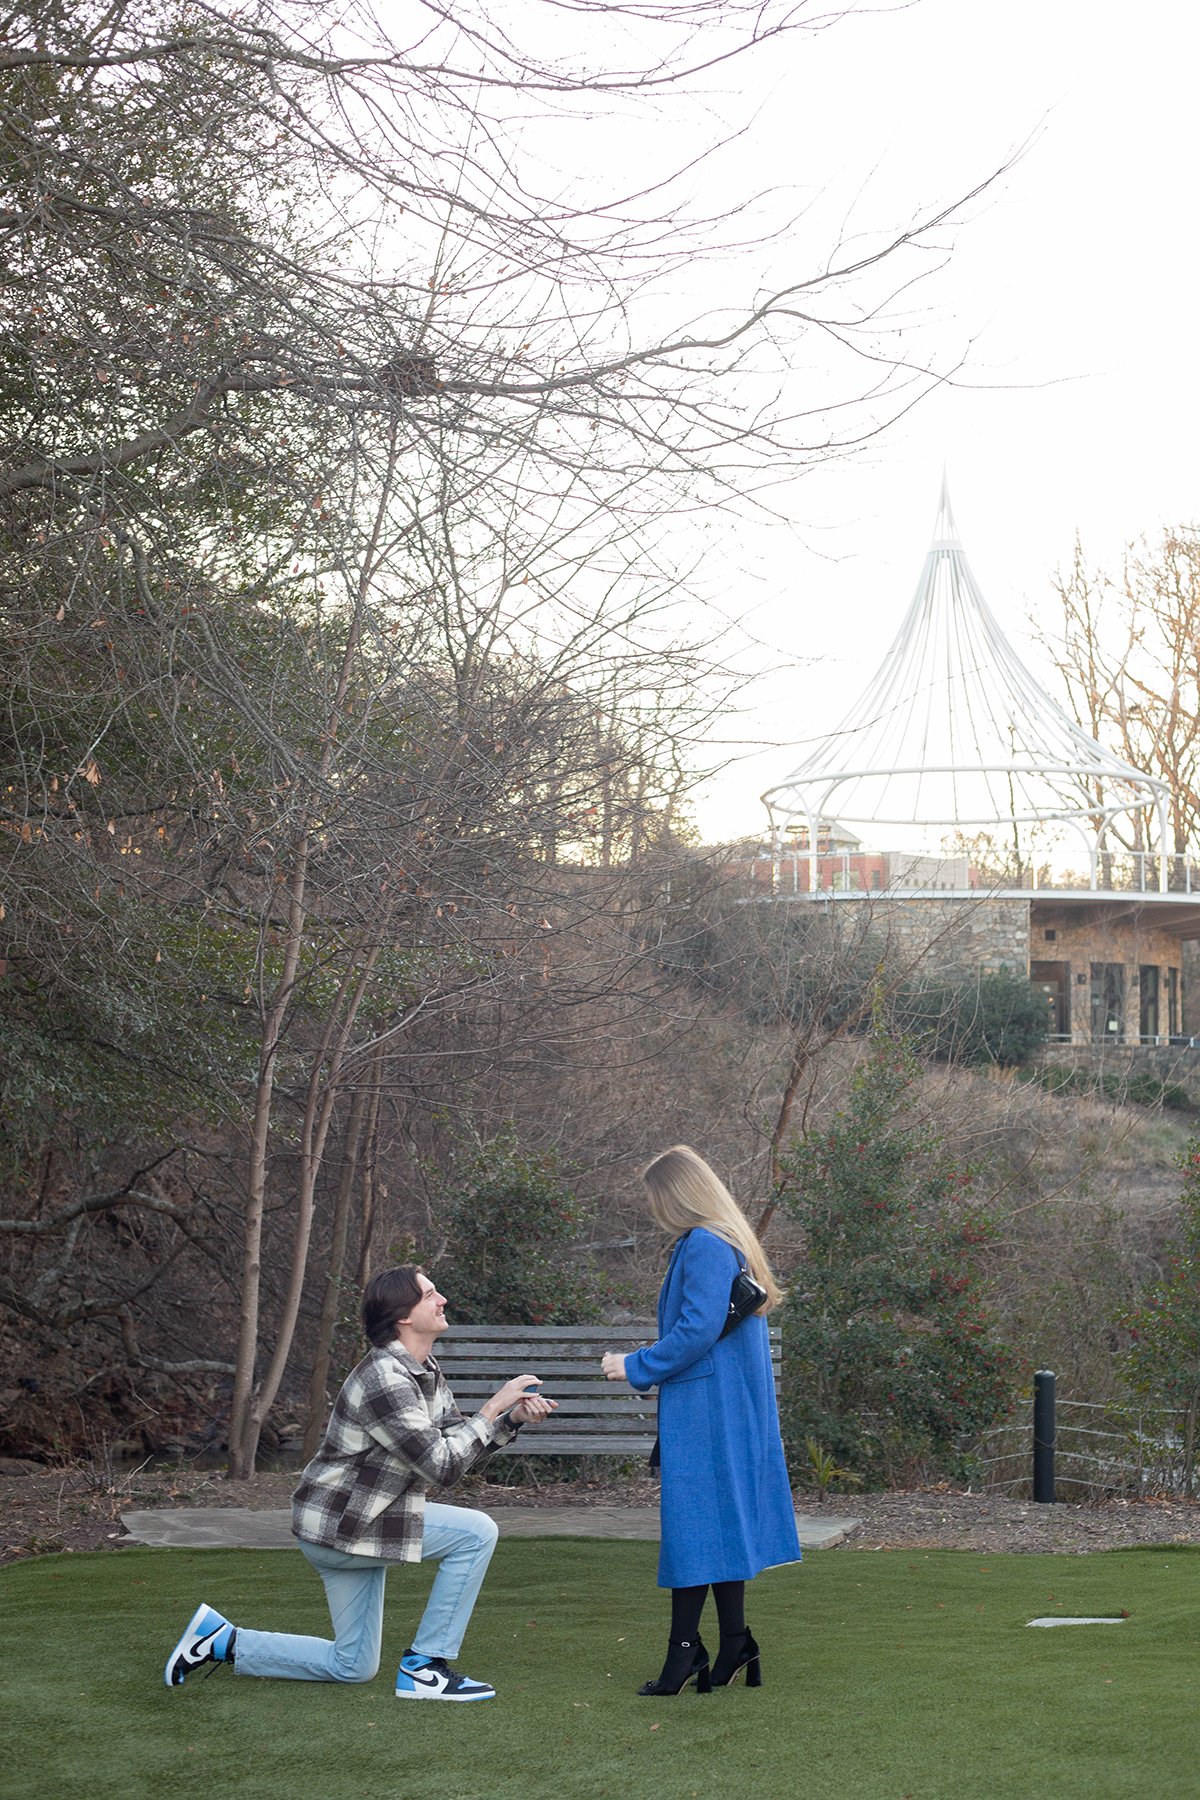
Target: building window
[[1051, 937], [844, 882], [1173, 1002], [1054, 978], [1108, 1000], [1148, 1000], [876, 880]]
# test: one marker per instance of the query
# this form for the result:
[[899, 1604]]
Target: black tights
[[688, 1603]]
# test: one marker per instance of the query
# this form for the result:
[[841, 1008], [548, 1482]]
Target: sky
[[1070, 292]]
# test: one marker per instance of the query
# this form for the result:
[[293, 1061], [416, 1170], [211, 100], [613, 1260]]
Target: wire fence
[[1102, 1449]]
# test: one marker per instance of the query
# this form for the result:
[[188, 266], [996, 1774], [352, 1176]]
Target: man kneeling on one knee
[[360, 1505]]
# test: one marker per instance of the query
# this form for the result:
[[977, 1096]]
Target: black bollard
[[1043, 1437]]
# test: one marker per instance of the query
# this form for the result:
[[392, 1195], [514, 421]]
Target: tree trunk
[[248, 1410], [363, 1272], [318, 1110], [337, 1256], [260, 1131], [1189, 1449], [801, 1057]]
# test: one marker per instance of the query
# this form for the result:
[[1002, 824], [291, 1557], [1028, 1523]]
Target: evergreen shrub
[[1139, 1089], [891, 1359], [513, 1230], [1163, 1359], [1000, 1018]]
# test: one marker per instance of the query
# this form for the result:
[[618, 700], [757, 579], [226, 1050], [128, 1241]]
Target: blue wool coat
[[726, 1502]]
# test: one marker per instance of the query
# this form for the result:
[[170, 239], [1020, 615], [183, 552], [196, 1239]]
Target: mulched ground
[[940, 1519], [70, 1509]]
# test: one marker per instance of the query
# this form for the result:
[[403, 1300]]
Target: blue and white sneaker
[[431, 1678], [208, 1639]]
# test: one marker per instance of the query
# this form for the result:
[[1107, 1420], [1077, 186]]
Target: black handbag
[[745, 1297]]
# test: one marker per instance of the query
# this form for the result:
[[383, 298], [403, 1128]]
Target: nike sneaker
[[431, 1678], [208, 1639]]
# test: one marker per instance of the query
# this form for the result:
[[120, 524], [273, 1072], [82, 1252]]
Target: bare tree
[[1128, 651], [810, 977], [336, 623]]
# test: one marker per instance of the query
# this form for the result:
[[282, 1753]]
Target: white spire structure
[[954, 730]]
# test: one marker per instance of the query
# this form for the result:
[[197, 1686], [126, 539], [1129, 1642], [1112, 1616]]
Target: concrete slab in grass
[[823, 1534], [211, 1528], [239, 1528]]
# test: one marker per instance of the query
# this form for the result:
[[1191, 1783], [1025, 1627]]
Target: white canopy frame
[[954, 730]]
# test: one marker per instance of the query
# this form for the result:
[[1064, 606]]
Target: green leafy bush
[[513, 1229], [1140, 1089], [999, 1018], [890, 1357], [1145, 1090], [1163, 1359]]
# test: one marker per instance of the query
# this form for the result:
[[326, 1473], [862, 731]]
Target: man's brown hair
[[388, 1298]]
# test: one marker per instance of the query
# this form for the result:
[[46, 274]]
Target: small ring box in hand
[[507, 1418]]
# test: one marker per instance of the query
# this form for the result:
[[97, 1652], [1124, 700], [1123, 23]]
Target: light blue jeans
[[459, 1540]]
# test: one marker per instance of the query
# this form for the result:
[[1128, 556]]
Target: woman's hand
[[613, 1366]]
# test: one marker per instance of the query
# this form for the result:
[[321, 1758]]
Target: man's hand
[[532, 1410], [513, 1395], [613, 1366]]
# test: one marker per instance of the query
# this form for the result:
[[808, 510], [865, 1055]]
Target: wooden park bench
[[595, 1417]]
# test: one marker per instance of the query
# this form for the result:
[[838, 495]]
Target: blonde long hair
[[684, 1193]]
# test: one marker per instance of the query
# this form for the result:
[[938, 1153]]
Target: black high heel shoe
[[686, 1658], [736, 1653]]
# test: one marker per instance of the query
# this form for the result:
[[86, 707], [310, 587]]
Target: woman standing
[[726, 1502]]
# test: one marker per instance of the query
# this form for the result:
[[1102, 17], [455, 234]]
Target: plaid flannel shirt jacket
[[394, 1431]]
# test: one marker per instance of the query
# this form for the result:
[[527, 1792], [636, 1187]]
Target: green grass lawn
[[886, 1675]]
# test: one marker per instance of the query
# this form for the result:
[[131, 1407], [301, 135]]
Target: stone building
[[954, 738]]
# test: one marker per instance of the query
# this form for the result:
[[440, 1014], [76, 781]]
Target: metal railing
[[1100, 1448], [890, 873], [1126, 872], [1129, 1040]]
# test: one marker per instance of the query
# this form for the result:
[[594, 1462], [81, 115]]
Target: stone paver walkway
[[239, 1528]]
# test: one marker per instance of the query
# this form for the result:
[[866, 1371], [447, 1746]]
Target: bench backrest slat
[[596, 1416]]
